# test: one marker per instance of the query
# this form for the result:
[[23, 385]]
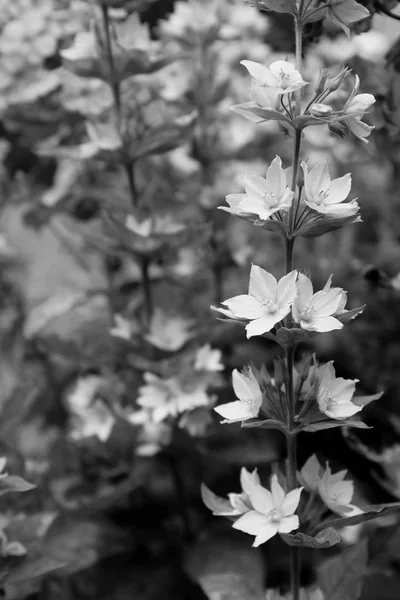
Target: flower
[[263, 196], [267, 302], [355, 108], [335, 393], [168, 332], [168, 397], [90, 416], [208, 359], [123, 328], [273, 512], [334, 491], [281, 76], [325, 195], [248, 391], [268, 83], [315, 312]]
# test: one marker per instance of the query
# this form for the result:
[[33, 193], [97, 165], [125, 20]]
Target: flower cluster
[[269, 302], [262, 513]]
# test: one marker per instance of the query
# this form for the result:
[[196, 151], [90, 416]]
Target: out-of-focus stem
[[129, 167]]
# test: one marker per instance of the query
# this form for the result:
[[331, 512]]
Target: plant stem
[[128, 166], [291, 438]]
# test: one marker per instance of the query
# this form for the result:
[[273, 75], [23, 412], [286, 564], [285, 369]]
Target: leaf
[[266, 424], [313, 228], [321, 425], [280, 6], [80, 542], [32, 567], [324, 539], [350, 314], [365, 400], [215, 503], [290, 337], [13, 483], [340, 578], [371, 511]]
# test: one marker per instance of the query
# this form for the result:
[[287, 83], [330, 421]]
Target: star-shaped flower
[[315, 312], [273, 512], [335, 393], [263, 196], [267, 302], [326, 195]]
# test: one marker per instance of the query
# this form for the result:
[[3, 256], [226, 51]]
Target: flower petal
[[262, 285], [287, 289], [264, 324], [267, 532], [244, 307], [277, 491], [251, 522], [291, 502], [288, 524], [262, 499], [235, 411]]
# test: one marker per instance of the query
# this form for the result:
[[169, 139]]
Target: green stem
[[146, 287], [114, 83]]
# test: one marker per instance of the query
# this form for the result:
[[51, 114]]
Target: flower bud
[[320, 110], [337, 81], [320, 87]]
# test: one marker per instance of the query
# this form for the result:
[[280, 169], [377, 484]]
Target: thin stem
[[295, 572], [130, 174], [146, 286], [296, 158], [114, 83]]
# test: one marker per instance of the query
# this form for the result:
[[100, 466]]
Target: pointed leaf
[[372, 511], [321, 425], [280, 6], [325, 539], [350, 314], [268, 114], [13, 483], [267, 424], [290, 337], [340, 577]]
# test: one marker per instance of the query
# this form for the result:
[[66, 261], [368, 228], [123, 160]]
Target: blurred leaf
[[80, 542], [332, 424], [13, 483], [340, 578]]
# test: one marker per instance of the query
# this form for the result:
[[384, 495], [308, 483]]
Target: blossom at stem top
[[334, 491], [247, 389], [263, 196], [325, 195], [316, 312], [281, 76], [335, 394], [267, 302], [354, 110], [273, 512]]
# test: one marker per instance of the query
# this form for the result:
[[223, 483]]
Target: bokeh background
[[94, 318]]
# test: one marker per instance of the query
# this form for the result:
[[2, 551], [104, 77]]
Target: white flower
[[325, 195], [208, 359], [142, 228], [334, 491], [247, 389], [263, 196], [267, 302], [273, 512], [90, 416], [355, 108], [167, 397], [281, 76], [153, 437], [168, 332], [315, 312], [335, 393], [123, 328]]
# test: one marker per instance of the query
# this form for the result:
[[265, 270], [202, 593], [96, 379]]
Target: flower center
[[274, 515], [270, 306]]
